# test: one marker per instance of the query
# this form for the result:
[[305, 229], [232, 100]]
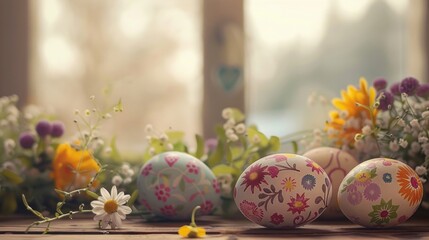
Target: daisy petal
[[119, 196], [125, 209], [99, 217], [116, 221], [122, 215], [97, 204], [105, 193], [124, 199], [114, 192], [98, 210], [104, 224]]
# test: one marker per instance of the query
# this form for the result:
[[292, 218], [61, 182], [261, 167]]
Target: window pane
[[146, 52], [303, 48]]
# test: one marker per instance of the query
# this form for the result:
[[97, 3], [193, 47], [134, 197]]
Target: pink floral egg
[[380, 192], [337, 163], [171, 184], [283, 191]]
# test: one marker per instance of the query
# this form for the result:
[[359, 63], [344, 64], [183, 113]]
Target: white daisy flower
[[109, 209]]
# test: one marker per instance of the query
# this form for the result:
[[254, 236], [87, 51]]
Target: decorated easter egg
[[283, 191], [380, 192], [336, 163], [171, 184]]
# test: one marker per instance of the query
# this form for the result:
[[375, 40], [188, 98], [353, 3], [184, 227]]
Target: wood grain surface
[[217, 228]]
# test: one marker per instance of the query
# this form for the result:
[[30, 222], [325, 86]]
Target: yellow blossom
[[191, 230], [73, 168], [355, 103]]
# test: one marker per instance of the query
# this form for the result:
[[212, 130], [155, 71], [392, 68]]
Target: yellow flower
[[355, 104], [73, 169], [191, 230]]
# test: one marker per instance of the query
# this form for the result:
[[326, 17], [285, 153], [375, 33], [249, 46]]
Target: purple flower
[[423, 90], [26, 140], [43, 128], [385, 100], [211, 144], [394, 89], [57, 129], [380, 84], [372, 192], [308, 182], [409, 85], [354, 197]]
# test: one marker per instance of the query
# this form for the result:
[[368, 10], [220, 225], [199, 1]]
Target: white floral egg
[[283, 191], [336, 163], [171, 184], [380, 192]]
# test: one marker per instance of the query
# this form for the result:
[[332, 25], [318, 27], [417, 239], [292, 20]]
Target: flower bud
[[26, 140], [43, 128], [57, 129]]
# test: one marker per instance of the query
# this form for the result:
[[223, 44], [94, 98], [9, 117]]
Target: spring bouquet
[[381, 121]]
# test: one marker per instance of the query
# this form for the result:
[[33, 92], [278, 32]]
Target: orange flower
[[73, 169], [411, 186], [347, 125]]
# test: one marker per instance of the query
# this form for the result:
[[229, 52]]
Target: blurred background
[[177, 64]]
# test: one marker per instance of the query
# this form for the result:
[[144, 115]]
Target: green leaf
[[274, 143], [252, 134], [237, 115], [200, 146], [11, 176], [175, 136], [216, 157], [222, 169], [228, 153], [295, 146], [220, 133], [180, 147], [254, 157], [133, 198]]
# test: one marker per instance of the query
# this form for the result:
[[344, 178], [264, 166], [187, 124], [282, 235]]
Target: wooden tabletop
[[216, 227]]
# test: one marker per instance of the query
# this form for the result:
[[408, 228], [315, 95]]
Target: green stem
[[193, 224]]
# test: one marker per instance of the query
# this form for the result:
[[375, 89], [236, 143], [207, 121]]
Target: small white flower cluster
[[232, 129], [163, 138], [225, 184], [125, 175], [314, 98], [402, 133], [9, 113], [310, 140]]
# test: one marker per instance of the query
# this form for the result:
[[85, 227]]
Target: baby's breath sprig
[[89, 121], [402, 123]]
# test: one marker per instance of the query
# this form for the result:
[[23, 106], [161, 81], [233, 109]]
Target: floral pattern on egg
[[171, 184], [337, 163], [283, 191], [380, 192]]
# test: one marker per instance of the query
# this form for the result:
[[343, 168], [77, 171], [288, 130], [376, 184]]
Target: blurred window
[[304, 49], [147, 52]]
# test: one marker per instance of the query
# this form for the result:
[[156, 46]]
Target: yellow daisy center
[[298, 204], [253, 175], [110, 206], [288, 184]]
